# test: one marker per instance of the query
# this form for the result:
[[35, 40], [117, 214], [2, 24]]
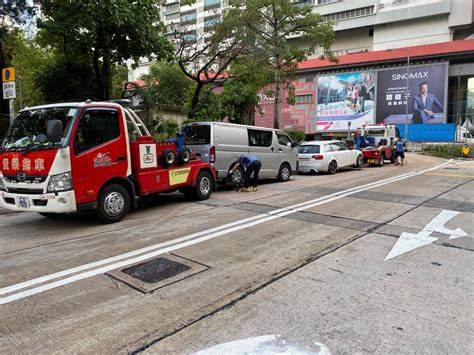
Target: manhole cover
[[156, 270]]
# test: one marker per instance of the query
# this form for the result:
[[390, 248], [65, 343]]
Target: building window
[[188, 17], [346, 15], [171, 9], [323, 2], [304, 99], [211, 4], [209, 22], [172, 17]]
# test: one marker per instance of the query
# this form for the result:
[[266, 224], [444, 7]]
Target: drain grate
[[447, 168], [156, 270]]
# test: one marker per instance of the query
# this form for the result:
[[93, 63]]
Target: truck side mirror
[[54, 130], [292, 144]]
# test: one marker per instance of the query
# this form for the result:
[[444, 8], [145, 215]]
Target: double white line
[[58, 279]]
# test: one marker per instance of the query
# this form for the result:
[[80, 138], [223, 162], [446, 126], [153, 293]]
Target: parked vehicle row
[[327, 156], [221, 145]]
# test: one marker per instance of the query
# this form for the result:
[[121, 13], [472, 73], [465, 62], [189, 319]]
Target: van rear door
[[199, 139]]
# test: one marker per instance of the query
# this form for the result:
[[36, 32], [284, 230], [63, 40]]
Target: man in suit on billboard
[[423, 105]]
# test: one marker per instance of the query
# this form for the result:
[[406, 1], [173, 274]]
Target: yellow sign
[[466, 149], [8, 74], [179, 176]]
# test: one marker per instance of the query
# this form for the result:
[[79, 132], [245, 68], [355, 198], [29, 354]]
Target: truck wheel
[[114, 204], [332, 168], [381, 160], [284, 173], [392, 158], [203, 188], [185, 156], [359, 162], [168, 157]]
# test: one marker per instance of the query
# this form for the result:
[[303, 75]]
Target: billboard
[[424, 96], [344, 98]]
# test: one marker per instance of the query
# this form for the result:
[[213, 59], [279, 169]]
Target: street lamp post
[[458, 106]]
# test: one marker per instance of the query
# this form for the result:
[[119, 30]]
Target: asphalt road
[[373, 260]]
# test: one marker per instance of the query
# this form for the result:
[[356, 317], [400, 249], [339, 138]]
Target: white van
[[221, 144]]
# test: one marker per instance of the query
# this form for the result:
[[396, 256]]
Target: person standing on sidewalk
[[249, 164], [399, 150]]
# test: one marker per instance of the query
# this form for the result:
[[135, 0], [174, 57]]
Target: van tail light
[[317, 157], [212, 155]]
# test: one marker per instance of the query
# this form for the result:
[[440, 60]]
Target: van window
[[259, 138], [283, 139], [96, 127], [199, 134], [308, 149]]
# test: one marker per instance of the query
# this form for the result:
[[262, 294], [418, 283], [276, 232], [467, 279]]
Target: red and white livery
[[78, 156]]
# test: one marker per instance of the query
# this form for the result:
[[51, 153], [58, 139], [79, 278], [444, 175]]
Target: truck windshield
[[29, 128], [198, 134]]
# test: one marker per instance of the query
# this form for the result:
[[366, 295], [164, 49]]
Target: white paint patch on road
[[409, 241], [102, 266], [266, 344]]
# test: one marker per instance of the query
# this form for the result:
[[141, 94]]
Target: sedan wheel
[[332, 169]]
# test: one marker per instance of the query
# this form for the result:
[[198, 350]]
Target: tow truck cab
[[382, 139], [80, 156]]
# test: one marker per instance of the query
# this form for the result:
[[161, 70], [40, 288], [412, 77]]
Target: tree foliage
[[168, 84], [106, 32], [13, 13], [29, 59], [205, 59], [275, 25]]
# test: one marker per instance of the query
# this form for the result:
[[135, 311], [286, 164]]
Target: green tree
[[208, 106], [239, 97], [168, 84], [28, 58], [112, 31], [64, 79], [274, 24], [205, 59], [13, 13]]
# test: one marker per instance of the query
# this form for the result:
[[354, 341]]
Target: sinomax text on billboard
[[424, 97]]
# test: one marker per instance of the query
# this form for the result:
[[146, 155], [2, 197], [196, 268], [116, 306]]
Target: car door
[[99, 151], [337, 154], [345, 153], [286, 150], [261, 144]]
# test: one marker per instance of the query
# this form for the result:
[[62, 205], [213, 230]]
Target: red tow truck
[[98, 156], [380, 144]]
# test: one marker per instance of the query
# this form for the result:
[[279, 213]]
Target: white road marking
[[182, 242], [265, 344], [409, 241], [102, 262]]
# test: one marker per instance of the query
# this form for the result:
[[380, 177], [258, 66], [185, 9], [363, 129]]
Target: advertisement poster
[[425, 95], [344, 98]]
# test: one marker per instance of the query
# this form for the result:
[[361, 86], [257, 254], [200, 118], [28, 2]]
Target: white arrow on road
[[409, 241]]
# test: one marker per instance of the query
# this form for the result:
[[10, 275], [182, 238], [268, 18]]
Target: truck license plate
[[23, 202], [371, 161]]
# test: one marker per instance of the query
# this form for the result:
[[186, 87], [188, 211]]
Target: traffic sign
[[8, 74], [9, 90]]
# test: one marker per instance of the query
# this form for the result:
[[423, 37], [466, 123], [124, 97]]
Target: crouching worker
[[249, 164]]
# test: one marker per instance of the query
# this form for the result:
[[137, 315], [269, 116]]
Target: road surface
[[373, 260]]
